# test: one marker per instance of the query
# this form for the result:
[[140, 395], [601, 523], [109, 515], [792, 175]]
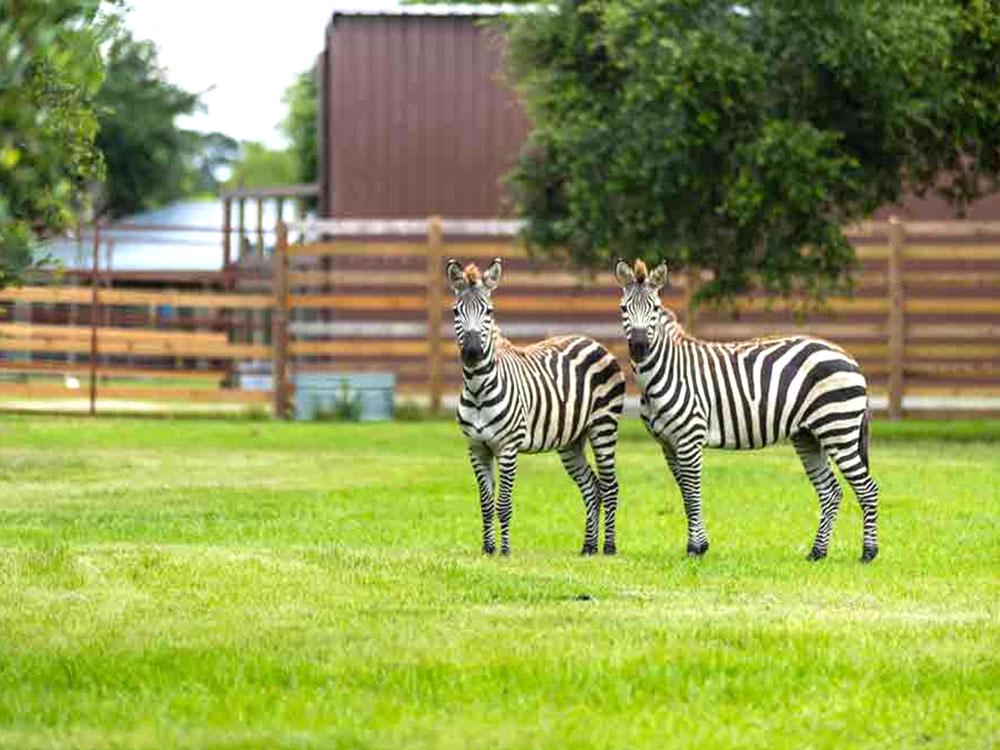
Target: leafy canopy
[[49, 76], [741, 138], [148, 157], [259, 166], [299, 125]]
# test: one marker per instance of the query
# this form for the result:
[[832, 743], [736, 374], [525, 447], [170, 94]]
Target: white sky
[[246, 51]]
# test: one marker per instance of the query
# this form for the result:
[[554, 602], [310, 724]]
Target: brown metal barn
[[416, 119], [415, 116]]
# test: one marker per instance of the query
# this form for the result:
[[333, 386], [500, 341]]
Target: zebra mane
[[472, 274], [640, 271]]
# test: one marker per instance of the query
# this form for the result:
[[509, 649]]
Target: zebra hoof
[[589, 549], [816, 554], [489, 549], [610, 549], [868, 554], [697, 550], [505, 551]]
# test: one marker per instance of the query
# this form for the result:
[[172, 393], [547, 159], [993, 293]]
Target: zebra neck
[[671, 331], [481, 379]]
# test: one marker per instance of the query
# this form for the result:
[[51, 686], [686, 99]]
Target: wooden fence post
[[690, 288], [435, 248], [94, 314], [279, 325], [896, 318], [227, 240]]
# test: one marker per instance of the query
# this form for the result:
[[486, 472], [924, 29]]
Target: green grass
[[235, 584]]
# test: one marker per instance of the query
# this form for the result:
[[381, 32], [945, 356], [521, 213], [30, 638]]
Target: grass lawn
[[240, 584]]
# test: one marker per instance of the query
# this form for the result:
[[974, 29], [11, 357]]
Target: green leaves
[[741, 138], [149, 159], [299, 125], [49, 75]]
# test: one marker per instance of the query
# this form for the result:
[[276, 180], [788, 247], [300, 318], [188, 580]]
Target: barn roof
[[393, 8]]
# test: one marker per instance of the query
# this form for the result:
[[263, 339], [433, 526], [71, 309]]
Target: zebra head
[[473, 309], [641, 307]]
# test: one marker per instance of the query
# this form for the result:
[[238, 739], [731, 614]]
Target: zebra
[[748, 394], [556, 394]]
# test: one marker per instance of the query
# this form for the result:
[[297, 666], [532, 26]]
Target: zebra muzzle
[[472, 348], [638, 345]]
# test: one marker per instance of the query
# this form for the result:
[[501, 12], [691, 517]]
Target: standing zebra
[[554, 395], [747, 394]]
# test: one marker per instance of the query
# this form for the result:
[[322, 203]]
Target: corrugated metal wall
[[419, 121]]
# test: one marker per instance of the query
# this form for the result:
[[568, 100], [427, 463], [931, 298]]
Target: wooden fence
[[364, 296], [140, 344], [923, 321]]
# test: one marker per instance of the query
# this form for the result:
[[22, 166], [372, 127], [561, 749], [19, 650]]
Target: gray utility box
[[364, 396]]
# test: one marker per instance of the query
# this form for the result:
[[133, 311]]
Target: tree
[[259, 166], [741, 138], [48, 80], [212, 152], [300, 124], [149, 158]]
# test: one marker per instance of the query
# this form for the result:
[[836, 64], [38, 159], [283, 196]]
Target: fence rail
[[371, 296]]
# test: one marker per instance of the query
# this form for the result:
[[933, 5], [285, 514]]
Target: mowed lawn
[[246, 584]]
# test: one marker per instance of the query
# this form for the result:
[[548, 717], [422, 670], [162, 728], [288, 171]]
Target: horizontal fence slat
[[82, 296], [56, 332], [139, 393], [139, 348], [109, 371]]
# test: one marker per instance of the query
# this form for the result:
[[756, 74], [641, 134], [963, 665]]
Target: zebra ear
[[624, 273], [455, 275], [658, 276], [491, 277]]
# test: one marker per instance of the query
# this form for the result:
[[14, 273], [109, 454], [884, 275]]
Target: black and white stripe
[[748, 394], [556, 395]]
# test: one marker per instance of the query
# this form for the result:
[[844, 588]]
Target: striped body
[[556, 395], [541, 397], [744, 395], [747, 394]]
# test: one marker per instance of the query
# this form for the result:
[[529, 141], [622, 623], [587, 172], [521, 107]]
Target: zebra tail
[[865, 437]]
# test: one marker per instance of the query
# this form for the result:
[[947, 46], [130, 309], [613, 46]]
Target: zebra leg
[[828, 490], [855, 471], [574, 460], [604, 440], [685, 464], [482, 466], [508, 471]]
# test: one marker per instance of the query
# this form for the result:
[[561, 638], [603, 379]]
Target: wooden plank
[[960, 391], [389, 249], [416, 302], [953, 330], [953, 351], [600, 281], [139, 348], [110, 371], [952, 252], [362, 347], [954, 306], [138, 393], [957, 228], [53, 332], [719, 331], [511, 279], [416, 248], [80, 295]]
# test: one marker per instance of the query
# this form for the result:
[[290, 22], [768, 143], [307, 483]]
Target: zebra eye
[[624, 308]]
